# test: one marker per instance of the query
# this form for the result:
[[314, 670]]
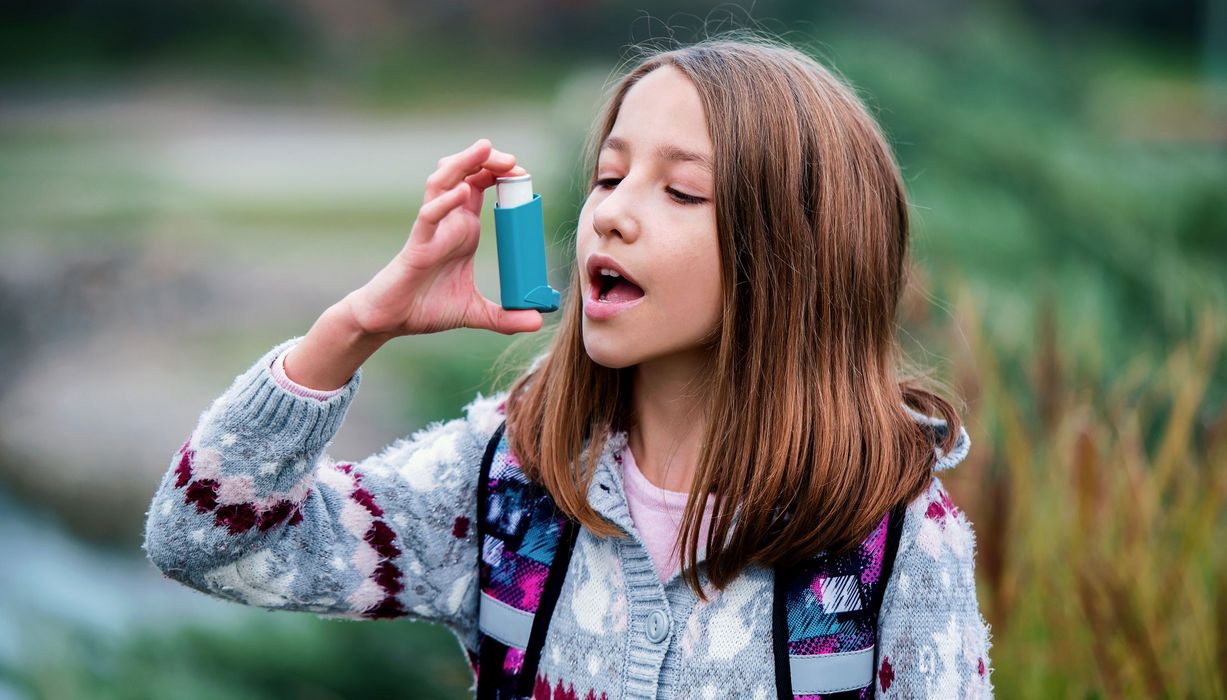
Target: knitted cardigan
[[253, 510]]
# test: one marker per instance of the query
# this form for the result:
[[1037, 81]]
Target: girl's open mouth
[[616, 290], [610, 294]]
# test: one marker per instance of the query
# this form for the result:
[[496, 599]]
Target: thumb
[[509, 321]]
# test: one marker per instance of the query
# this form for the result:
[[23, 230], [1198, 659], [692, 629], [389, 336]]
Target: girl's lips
[[598, 310], [598, 261]]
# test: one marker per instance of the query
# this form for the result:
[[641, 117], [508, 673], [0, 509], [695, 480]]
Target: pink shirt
[[656, 513]]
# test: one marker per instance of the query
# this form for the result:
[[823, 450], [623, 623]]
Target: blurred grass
[[1098, 512], [270, 656]]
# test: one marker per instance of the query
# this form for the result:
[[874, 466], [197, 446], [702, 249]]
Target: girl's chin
[[609, 354], [610, 361], [611, 365]]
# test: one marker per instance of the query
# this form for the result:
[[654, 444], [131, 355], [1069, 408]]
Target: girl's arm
[[932, 641], [253, 509]]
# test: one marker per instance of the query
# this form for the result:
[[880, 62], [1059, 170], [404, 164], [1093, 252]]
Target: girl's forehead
[[661, 115], [665, 95]]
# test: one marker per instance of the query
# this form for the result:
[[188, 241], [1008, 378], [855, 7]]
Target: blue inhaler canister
[[520, 233]]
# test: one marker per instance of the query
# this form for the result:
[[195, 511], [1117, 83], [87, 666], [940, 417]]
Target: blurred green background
[[186, 184]]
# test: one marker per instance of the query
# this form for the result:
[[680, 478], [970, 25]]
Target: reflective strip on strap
[[505, 623], [831, 673]]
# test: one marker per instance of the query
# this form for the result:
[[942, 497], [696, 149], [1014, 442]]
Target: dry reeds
[[1099, 513]]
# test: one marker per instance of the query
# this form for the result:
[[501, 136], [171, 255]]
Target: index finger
[[485, 178], [453, 169], [483, 181]]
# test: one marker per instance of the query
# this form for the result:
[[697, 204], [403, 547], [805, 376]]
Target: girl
[[722, 401]]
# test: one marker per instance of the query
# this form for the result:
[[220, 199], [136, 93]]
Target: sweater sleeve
[[252, 509], [933, 643]]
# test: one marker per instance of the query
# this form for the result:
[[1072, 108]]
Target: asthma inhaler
[[520, 232]]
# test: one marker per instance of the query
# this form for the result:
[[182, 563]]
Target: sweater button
[[658, 626]]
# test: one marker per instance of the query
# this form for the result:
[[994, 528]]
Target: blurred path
[[310, 155]]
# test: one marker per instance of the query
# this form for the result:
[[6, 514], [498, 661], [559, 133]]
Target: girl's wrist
[[277, 368], [332, 351]]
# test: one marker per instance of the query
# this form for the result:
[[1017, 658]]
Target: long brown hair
[[807, 440]]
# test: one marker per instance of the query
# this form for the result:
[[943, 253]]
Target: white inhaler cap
[[514, 191]]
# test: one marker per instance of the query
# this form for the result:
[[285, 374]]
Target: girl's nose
[[614, 216]]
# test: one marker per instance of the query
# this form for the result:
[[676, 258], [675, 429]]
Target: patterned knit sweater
[[254, 510]]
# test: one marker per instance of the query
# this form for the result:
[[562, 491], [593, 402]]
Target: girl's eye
[[684, 198], [609, 182]]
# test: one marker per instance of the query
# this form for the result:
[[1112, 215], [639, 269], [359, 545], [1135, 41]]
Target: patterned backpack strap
[[526, 545], [825, 618]]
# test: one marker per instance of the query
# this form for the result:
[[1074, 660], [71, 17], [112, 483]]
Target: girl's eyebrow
[[665, 152]]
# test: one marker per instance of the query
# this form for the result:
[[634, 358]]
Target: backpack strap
[[525, 546], [825, 617]]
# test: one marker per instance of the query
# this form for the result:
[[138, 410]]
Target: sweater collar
[[607, 490]]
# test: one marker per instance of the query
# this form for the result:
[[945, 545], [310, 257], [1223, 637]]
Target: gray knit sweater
[[253, 510]]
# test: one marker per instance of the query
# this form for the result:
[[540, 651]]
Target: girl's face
[[651, 214]]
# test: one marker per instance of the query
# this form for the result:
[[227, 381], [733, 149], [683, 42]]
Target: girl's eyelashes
[[610, 182], [684, 198]]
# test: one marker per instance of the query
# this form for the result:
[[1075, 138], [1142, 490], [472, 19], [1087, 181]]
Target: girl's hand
[[428, 287]]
